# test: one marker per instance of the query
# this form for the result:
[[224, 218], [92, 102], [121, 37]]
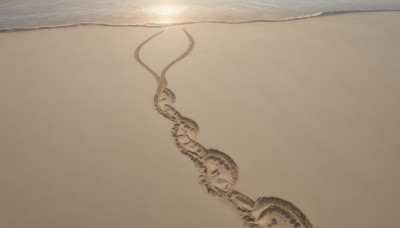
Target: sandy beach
[[308, 109]]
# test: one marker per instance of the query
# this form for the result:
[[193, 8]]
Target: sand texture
[[218, 172], [308, 110]]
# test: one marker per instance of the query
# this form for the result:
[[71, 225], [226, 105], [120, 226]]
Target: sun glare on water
[[164, 14]]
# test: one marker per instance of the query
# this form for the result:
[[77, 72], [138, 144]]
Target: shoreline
[[310, 16]]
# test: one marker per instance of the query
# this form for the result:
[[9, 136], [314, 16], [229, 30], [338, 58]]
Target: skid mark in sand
[[218, 173]]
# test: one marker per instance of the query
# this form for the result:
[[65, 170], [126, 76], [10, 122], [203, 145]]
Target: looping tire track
[[218, 173]]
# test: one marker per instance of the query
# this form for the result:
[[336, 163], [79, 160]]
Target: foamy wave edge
[[155, 25]]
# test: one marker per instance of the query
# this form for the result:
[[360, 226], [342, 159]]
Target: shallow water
[[49, 13]]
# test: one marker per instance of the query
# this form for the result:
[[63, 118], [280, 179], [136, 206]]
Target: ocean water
[[28, 14]]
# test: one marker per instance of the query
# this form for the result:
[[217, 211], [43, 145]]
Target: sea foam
[[25, 14]]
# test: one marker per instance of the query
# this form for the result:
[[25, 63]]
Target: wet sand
[[307, 109]]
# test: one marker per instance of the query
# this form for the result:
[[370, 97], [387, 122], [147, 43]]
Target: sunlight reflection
[[164, 14]]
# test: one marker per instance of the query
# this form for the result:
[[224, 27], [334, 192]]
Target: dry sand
[[308, 109]]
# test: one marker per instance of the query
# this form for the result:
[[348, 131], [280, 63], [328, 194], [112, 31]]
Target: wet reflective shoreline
[[20, 14]]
